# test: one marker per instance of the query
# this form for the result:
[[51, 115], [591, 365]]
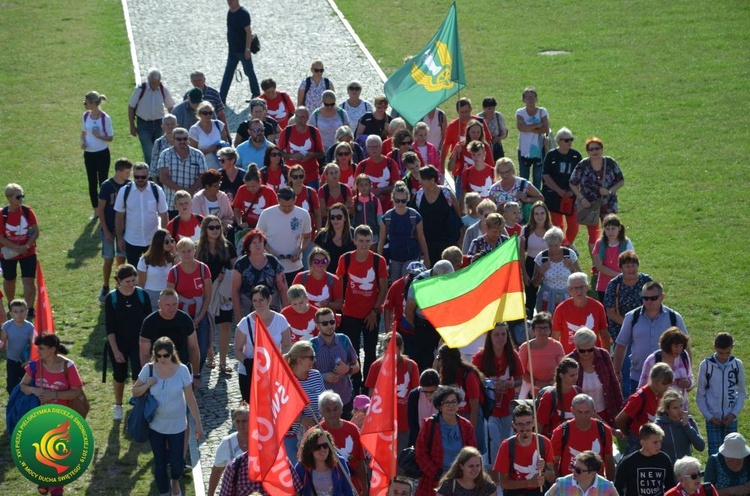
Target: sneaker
[[118, 415], [103, 294], [31, 314]]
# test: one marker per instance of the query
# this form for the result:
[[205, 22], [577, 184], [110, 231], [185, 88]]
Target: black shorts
[[120, 370], [224, 317], [28, 268]]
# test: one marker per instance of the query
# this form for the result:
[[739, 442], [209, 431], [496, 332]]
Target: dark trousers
[[526, 164], [426, 339], [530, 290], [167, 449], [354, 329], [14, 374], [97, 170], [133, 253], [233, 59]]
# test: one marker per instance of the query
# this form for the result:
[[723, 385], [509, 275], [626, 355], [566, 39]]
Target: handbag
[[255, 44], [143, 413], [80, 403], [407, 458]]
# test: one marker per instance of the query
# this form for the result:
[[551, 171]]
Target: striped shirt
[[313, 386]]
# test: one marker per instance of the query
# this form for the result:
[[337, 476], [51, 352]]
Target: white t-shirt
[[228, 450], [593, 387], [94, 144], [284, 232], [141, 212], [557, 275], [277, 327], [530, 144], [536, 244], [156, 276], [356, 113]]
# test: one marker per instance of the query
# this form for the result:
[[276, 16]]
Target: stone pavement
[[178, 37]]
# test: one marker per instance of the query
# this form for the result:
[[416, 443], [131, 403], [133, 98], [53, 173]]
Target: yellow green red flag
[[466, 304]]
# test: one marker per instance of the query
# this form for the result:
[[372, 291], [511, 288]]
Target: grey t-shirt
[[18, 338]]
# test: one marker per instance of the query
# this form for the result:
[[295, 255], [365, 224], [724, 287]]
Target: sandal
[[225, 370], [210, 363]]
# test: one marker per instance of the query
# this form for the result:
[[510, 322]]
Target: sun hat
[[734, 446], [361, 402]]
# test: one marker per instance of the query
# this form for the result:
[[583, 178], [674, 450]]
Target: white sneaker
[[118, 415]]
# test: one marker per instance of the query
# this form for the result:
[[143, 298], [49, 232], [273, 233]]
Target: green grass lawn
[[664, 85]]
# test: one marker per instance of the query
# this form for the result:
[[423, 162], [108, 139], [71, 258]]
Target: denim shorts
[[108, 249]]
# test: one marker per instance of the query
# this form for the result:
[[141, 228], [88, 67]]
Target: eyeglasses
[[336, 216], [400, 200], [256, 130], [213, 228], [321, 447], [168, 241], [588, 350], [577, 288], [163, 355], [450, 402], [319, 71], [567, 140], [329, 104], [274, 154], [406, 142], [207, 112], [20, 197], [297, 176], [180, 139], [137, 178], [327, 322], [320, 261], [650, 298], [354, 88], [594, 149], [694, 476], [343, 154]]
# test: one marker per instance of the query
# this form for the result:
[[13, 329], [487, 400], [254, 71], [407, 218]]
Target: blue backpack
[[19, 404]]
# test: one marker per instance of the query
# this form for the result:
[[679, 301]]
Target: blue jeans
[[291, 445], [525, 164], [202, 333], [480, 430], [626, 389], [234, 58], [498, 429], [167, 449], [148, 132]]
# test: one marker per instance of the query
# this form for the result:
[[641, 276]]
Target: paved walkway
[[179, 37]]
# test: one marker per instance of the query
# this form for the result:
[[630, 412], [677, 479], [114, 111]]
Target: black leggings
[[97, 170]]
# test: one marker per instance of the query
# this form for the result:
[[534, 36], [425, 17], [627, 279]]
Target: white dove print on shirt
[[596, 447], [324, 295], [365, 283], [304, 149], [258, 207], [528, 471], [484, 189], [403, 389], [346, 451], [278, 113], [572, 328], [20, 230], [304, 334], [381, 181]]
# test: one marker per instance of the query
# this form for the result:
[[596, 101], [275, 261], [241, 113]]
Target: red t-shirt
[[346, 176], [551, 419], [395, 301], [56, 381], [523, 459], [455, 133], [302, 142], [516, 229], [345, 193], [302, 324], [472, 390], [346, 439], [16, 229], [185, 228], [382, 174], [578, 441], [387, 146], [189, 285], [478, 181], [639, 412], [502, 370], [568, 318], [326, 289], [280, 108], [252, 205], [274, 178], [407, 378], [308, 199], [361, 293]]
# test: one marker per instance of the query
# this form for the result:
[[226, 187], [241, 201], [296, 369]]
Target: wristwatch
[[376, 310]]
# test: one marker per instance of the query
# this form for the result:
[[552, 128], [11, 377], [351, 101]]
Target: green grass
[[665, 87], [662, 84]]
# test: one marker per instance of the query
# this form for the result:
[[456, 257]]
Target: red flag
[[43, 320], [380, 429], [276, 400]]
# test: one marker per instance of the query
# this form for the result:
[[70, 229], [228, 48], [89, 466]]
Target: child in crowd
[[721, 391], [648, 471], [367, 207], [16, 337], [300, 314], [186, 224], [361, 404], [512, 215], [471, 200]]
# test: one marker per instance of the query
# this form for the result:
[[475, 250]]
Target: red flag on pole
[[43, 320], [380, 429], [276, 400]]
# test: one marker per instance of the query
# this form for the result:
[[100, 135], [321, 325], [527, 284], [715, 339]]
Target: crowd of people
[[317, 219]]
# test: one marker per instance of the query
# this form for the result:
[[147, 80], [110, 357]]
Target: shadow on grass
[[86, 246], [112, 472]]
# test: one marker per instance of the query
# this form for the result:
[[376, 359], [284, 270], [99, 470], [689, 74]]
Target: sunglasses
[[327, 322], [163, 355], [343, 154], [214, 228], [329, 104], [400, 200], [589, 350], [406, 142], [336, 216], [694, 476], [580, 471], [319, 71], [256, 131], [137, 178], [567, 140], [594, 149], [354, 88], [274, 154], [650, 298], [321, 447], [320, 261], [207, 112], [180, 139], [297, 176]]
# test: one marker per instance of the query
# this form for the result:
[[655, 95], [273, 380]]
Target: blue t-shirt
[[452, 442], [402, 234], [108, 192], [18, 338], [237, 21]]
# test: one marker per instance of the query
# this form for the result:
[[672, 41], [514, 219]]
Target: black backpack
[[308, 83]]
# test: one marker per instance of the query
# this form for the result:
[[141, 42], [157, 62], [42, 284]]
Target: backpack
[[566, 433], [264, 173], [683, 357], [339, 110], [19, 404], [487, 404], [25, 211], [176, 272], [327, 193], [138, 291], [538, 399], [313, 136], [308, 83], [143, 92], [87, 114], [336, 339], [512, 449], [712, 360], [412, 217], [329, 278], [637, 315], [176, 223], [129, 186], [545, 254], [603, 249], [446, 194], [348, 260]]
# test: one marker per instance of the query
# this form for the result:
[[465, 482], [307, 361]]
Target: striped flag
[[465, 304]]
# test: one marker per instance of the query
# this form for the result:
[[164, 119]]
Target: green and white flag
[[430, 77]]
